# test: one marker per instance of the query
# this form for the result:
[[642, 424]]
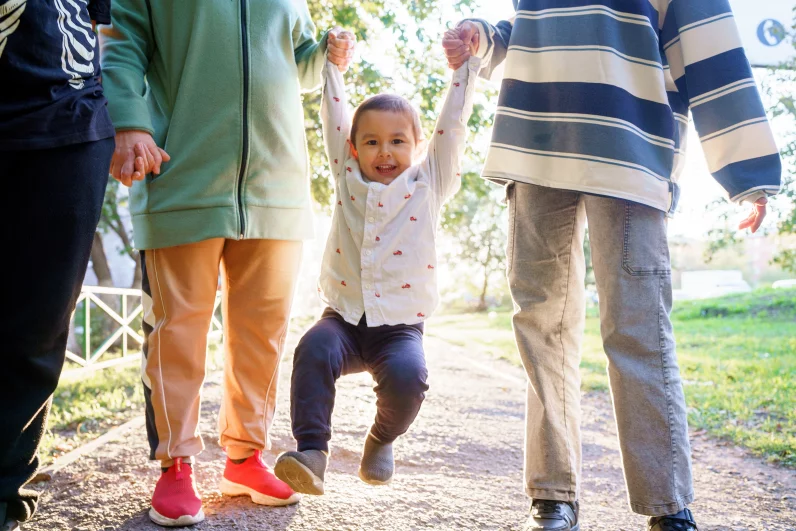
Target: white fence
[[128, 311]]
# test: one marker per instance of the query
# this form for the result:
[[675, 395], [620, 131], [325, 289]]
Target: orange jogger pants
[[180, 283]]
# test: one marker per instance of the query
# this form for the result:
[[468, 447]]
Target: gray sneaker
[[551, 515], [303, 471], [377, 465]]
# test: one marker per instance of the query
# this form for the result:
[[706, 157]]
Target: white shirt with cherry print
[[380, 258]]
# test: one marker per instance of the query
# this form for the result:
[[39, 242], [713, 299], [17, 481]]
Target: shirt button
[[368, 286], [368, 252], [371, 219]]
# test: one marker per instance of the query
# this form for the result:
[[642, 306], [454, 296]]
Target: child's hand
[[460, 43], [340, 48], [755, 218]]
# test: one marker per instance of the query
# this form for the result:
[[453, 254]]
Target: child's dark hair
[[386, 102]]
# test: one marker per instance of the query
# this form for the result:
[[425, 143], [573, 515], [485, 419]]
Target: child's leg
[[395, 357], [329, 349], [258, 277]]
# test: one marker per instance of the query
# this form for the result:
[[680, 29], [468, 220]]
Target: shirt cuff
[[753, 197]]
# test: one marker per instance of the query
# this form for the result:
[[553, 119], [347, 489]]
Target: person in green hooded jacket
[[207, 95]]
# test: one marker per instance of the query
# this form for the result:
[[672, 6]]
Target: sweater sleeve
[[310, 54], [493, 43], [127, 46], [713, 77]]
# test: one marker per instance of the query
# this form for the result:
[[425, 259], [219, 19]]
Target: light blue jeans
[[546, 269]]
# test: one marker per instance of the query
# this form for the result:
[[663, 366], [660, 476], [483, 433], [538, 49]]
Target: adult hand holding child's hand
[[136, 155], [340, 48], [460, 43]]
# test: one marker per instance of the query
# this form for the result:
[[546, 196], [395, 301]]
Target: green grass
[[739, 367], [84, 409]]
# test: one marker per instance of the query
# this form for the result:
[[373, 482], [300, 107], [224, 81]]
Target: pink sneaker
[[176, 502], [254, 479]]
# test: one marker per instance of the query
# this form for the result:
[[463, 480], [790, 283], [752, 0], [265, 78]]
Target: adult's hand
[[756, 217], [136, 154], [340, 48], [460, 43]]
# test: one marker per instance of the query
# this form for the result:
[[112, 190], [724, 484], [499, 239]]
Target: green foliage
[[83, 409], [738, 368]]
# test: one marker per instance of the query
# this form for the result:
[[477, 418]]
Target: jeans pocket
[[645, 251], [512, 207]]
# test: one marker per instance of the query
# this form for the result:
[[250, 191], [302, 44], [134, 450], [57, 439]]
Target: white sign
[[765, 26]]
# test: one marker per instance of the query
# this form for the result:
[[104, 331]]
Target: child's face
[[385, 145]]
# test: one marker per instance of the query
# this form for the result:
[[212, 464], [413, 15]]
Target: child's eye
[[370, 143], [397, 141]]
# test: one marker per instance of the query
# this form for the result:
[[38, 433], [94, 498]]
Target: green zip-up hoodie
[[217, 83]]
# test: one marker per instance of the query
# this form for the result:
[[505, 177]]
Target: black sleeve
[[100, 11]]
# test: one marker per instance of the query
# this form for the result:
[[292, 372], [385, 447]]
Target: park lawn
[[737, 356], [85, 407]]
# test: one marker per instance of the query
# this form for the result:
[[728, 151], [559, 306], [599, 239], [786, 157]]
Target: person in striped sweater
[[591, 127]]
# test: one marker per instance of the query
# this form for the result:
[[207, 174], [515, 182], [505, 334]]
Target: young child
[[378, 273]]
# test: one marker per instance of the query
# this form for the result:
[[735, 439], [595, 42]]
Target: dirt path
[[460, 467]]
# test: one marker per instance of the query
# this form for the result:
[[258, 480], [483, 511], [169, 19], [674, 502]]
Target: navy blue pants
[[49, 210], [393, 355]]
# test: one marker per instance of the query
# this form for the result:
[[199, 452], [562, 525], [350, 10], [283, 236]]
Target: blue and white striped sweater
[[596, 94]]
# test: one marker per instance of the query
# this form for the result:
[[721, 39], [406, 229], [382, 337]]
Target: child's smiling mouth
[[385, 169]]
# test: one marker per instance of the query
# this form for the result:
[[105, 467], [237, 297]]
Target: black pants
[[392, 354], [49, 208]]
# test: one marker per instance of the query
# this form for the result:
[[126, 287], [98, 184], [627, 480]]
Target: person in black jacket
[[56, 143]]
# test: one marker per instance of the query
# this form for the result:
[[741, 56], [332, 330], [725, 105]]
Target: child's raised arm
[[446, 146], [335, 116]]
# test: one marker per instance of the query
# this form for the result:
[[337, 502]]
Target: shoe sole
[[229, 488], [370, 481], [298, 476], [182, 521]]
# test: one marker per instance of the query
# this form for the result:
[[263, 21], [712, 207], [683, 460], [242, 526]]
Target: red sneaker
[[253, 478], [176, 502]]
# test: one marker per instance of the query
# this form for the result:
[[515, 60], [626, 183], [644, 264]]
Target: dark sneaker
[[377, 465], [551, 515], [303, 471], [682, 521]]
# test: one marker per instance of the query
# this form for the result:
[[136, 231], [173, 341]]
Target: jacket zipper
[[245, 148]]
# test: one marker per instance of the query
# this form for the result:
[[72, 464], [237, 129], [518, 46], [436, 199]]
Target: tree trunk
[[102, 325], [137, 276], [72, 344], [100, 262], [482, 300]]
